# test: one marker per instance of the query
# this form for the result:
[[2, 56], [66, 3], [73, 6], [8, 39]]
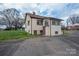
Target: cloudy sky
[[58, 10]]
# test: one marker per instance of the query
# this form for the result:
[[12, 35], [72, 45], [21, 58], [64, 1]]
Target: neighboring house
[[41, 25], [73, 26]]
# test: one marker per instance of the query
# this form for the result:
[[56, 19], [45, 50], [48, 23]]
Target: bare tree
[[73, 19], [12, 18]]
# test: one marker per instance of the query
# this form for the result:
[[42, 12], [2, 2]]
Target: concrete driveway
[[42, 46]]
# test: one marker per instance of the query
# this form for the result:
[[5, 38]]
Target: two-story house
[[41, 25]]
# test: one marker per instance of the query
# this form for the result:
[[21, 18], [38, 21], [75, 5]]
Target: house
[[73, 26], [41, 25]]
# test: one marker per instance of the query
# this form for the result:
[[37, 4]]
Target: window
[[28, 22], [40, 22], [46, 23], [53, 22], [58, 23]]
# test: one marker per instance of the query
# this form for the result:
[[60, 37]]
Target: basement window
[[41, 32], [35, 32], [56, 32]]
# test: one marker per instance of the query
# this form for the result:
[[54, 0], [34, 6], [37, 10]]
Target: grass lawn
[[13, 34], [67, 32]]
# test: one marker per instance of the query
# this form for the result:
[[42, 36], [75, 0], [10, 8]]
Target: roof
[[42, 17]]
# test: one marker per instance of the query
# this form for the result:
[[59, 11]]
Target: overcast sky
[[58, 10]]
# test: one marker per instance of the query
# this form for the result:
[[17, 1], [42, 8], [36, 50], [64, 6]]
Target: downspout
[[31, 25], [25, 22], [50, 27]]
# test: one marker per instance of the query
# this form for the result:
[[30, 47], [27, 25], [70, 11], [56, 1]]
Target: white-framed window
[[28, 22], [46, 23], [55, 22], [40, 22]]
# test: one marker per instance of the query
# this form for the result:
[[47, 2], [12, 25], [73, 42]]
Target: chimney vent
[[33, 13]]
